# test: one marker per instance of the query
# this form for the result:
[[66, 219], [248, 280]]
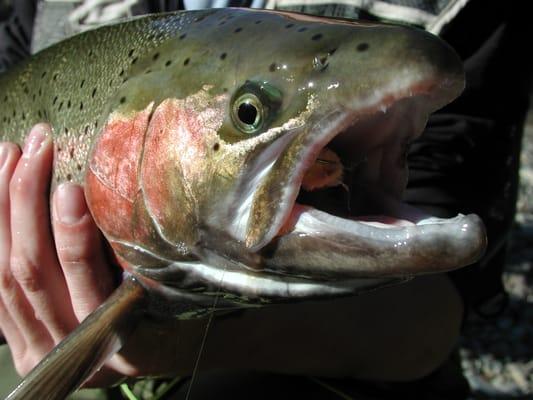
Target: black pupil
[[247, 113]]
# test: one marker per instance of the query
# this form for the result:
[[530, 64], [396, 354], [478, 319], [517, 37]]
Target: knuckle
[[6, 279], [78, 252], [26, 273], [20, 185]]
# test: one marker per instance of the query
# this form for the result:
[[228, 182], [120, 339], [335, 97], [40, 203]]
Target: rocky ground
[[497, 356]]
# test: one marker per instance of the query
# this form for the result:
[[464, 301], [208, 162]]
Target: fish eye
[[248, 113], [254, 107]]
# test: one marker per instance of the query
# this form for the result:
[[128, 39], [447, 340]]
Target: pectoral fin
[[84, 351]]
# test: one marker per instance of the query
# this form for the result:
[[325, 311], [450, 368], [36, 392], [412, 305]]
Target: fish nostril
[[321, 62]]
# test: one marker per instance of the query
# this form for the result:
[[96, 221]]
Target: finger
[[9, 156], [80, 250], [33, 260]]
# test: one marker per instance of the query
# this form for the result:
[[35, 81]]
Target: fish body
[[198, 128]]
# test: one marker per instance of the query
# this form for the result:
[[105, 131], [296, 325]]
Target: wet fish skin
[[194, 212]]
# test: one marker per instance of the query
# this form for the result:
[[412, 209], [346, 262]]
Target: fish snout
[[376, 62]]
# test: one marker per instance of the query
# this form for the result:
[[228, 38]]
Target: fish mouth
[[361, 174], [343, 215]]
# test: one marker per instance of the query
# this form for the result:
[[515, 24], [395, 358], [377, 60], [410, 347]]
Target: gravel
[[497, 355]]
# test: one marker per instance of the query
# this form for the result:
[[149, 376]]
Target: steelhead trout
[[227, 153]]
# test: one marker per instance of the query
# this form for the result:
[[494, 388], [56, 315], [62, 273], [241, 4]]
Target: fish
[[238, 158]]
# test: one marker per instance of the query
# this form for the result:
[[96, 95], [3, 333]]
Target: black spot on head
[[318, 36], [302, 29], [122, 100], [362, 46], [223, 56], [186, 62], [183, 36], [216, 146], [288, 26], [168, 63], [272, 67], [237, 30], [258, 21], [155, 56]]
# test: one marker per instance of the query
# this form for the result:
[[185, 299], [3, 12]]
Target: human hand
[[53, 269]]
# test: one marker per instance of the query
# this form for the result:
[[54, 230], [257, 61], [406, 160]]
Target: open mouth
[[361, 173], [347, 219]]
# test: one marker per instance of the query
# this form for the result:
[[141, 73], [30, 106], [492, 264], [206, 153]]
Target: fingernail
[[37, 138], [70, 203]]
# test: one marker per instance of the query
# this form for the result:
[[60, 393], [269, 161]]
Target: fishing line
[[330, 388], [204, 338]]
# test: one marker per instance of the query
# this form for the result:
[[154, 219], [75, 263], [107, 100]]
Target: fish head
[[262, 141]]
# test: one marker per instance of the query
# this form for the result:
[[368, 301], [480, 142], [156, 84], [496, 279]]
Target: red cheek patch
[[112, 184], [173, 164]]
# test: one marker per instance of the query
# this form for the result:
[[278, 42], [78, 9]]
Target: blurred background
[[497, 355]]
